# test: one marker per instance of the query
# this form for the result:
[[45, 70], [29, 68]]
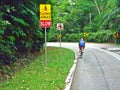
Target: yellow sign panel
[[85, 34], [45, 12], [116, 35], [58, 35]]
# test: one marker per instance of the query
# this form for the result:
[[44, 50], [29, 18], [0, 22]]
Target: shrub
[[102, 36]]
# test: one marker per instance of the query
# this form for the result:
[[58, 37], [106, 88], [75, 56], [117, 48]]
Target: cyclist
[[81, 46]]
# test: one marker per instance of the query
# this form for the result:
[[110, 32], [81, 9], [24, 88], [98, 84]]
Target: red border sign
[[60, 26], [45, 16], [45, 23]]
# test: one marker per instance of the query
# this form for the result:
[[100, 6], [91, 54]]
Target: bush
[[72, 37], [102, 36]]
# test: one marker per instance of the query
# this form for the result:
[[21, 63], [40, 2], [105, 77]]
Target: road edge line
[[111, 53]]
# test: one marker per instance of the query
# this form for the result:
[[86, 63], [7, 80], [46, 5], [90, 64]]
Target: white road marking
[[111, 53]]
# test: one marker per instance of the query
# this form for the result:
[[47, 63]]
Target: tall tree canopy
[[81, 16]]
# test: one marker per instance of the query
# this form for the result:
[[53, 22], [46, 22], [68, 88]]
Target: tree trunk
[[97, 7], [90, 17]]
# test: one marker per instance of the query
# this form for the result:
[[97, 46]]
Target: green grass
[[38, 76]]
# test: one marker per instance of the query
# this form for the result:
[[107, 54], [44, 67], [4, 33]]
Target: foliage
[[82, 16], [19, 29], [100, 36], [72, 37]]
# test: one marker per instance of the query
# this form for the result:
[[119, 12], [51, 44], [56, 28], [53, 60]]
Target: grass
[[38, 76]]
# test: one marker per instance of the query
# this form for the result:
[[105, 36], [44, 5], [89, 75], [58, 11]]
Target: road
[[98, 69]]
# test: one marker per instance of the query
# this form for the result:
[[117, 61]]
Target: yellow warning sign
[[85, 34], [45, 11], [58, 35]]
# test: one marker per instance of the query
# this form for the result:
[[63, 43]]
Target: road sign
[[60, 26], [116, 35], [45, 16], [85, 34], [45, 12], [45, 23], [58, 35]]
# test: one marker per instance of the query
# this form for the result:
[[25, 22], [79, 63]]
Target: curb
[[69, 78]]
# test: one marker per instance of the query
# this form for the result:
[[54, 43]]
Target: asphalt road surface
[[97, 69]]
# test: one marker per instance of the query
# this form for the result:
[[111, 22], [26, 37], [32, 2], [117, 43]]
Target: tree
[[80, 15], [19, 28]]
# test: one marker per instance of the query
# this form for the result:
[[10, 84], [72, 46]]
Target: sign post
[[45, 22], [60, 27], [45, 47]]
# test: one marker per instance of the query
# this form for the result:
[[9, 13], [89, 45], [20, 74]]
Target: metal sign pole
[[60, 38], [45, 48]]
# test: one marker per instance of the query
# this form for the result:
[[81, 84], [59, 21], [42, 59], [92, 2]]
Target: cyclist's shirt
[[81, 43]]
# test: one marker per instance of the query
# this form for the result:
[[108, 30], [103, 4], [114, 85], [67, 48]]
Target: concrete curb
[[69, 78]]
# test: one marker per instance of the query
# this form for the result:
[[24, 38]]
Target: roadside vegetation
[[21, 35], [37, 76], [99, 19]]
